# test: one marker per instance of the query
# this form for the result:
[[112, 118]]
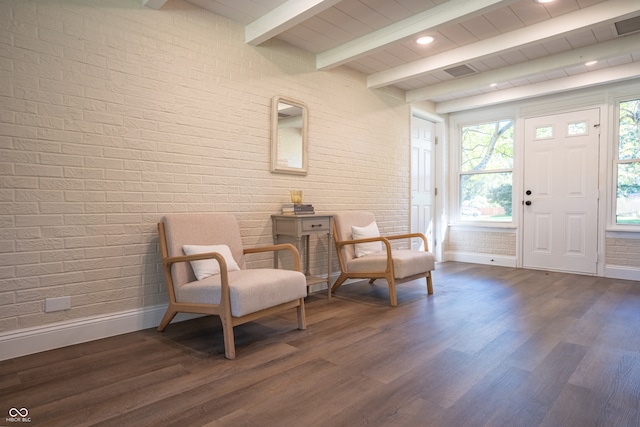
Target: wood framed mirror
[[289, 136]]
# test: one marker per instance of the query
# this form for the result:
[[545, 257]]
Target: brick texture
[[482, 242], [623, 252], [112, 114]]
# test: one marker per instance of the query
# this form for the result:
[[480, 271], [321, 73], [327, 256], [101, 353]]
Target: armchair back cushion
[[201, 229], [369, 231], [343, 222]]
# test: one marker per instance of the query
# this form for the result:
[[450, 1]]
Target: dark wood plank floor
[[492, 346]]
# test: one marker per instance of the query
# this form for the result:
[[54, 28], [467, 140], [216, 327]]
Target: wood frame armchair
[[394, 265], [238, 296]]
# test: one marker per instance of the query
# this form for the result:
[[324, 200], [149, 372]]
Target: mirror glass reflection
[[289, 136]]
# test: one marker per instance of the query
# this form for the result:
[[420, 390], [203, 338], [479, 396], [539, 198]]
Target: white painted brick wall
[[112, 114], [482, 242], [623, 252]]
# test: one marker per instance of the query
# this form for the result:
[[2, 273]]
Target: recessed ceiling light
[[425, 40], [590, 63], [493, 84], [544, 1]]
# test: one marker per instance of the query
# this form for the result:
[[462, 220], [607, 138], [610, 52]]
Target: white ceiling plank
[[594, 78], [154, 4], [618, 47], [603, 12], [453, 11], [391, 9], [365, 14], [480, 27], [459, 35], [284, 17], [530, 12], [504, 20]]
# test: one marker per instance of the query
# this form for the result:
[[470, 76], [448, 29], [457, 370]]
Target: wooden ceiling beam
[[600, 51], [284, 17], [594, 78], [451, 12], [601, 13]]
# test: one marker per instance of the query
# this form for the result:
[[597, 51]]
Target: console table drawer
[[316, 224]]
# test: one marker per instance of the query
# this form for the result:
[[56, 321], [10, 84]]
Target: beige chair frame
[[223, 310], [388, 272]]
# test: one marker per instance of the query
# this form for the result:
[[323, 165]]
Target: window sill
[[623, 233], [497, 227]]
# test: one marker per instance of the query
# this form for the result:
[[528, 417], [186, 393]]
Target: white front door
[[561, 192], [422, 172]]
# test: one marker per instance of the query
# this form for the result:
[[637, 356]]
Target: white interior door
[[561, 192], [422, 172]]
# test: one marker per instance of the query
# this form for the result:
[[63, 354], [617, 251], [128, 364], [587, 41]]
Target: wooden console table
[[298, 228]]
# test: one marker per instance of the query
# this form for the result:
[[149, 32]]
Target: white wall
[[112, 114]]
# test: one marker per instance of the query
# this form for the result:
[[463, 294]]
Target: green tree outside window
[[628, 164], [486, 184]]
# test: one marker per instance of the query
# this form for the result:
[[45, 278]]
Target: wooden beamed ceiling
[[515, 49]]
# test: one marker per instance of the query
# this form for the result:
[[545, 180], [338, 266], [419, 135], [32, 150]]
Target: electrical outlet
[[57, 304]]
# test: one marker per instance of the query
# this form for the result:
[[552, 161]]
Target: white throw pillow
[[209, 267], [370, 230]]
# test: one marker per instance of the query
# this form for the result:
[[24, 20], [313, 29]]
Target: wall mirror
[[288, 136]]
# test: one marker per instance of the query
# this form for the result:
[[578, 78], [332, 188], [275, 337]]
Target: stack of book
[[297, 209]]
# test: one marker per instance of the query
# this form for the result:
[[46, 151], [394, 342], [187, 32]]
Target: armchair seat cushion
[[406, 263], [250, 290]]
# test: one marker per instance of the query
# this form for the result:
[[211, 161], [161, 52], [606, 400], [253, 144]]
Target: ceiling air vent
[[628, 26], [460, 70]]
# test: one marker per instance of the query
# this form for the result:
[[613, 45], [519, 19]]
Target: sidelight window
[[628, 163]]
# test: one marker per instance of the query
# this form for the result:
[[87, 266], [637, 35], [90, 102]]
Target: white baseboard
[[612, 271], [622, 272], [477, 258], [27, 341], [61, 334]]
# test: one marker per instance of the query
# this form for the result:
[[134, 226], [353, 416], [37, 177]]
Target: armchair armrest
[[195, 257], [382, 239], [225, 295], [276, 248], [411, 236]]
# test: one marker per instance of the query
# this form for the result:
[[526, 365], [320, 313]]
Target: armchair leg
[[167, 318], [392, 292], [339, 282], [429, 284], [302, 318], [229, 341]]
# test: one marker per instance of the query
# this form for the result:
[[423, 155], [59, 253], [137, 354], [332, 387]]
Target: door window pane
[[544, 132], [579, 128]]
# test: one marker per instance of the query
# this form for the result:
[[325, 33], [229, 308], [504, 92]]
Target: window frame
[[456, 177], [616, 161]]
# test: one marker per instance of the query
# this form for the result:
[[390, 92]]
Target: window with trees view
[[628, 164], [486, 172]]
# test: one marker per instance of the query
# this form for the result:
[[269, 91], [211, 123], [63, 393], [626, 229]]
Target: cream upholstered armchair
[[364, 254], [205, 272]]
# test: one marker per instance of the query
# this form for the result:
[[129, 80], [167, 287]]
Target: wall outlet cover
[[57, 304]]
